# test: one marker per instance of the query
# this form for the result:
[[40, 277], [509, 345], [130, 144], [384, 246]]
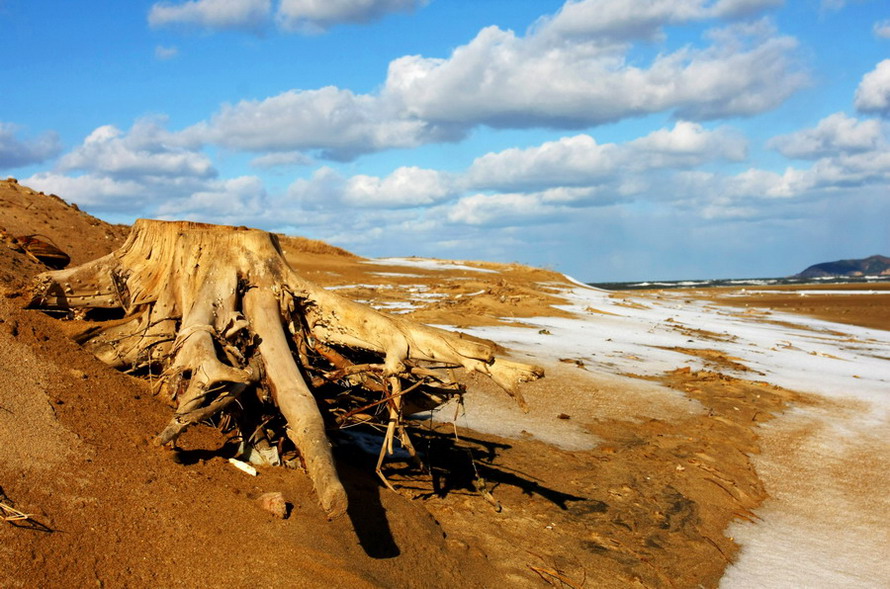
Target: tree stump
[[212, 313]]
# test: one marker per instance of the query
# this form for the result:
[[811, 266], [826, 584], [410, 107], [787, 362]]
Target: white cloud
[[834, 134], [303, 16], [619, 20], [496, 80], [248, 15], [89, 190], [282, 159], [569, 161], [16, 153], [314, 16], [133, 171], [405, 187], [852, 170], [164, 53], [850, 157], [147, 149], [581, 161], [873, 94], [338, 122], [687, 144], [231, 201], [501, 209], [324, 188], [766, 184], [882, 29]]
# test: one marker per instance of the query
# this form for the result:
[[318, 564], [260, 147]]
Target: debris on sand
[[274, 503]]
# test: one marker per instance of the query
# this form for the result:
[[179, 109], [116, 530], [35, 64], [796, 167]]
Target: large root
[[232, 330]]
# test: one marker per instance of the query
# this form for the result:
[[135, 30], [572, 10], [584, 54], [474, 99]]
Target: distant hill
[[871, 266]]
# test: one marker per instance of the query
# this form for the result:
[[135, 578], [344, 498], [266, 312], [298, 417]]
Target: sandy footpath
[[680, 439]]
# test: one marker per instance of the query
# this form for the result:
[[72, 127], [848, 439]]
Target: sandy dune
[[680, 439]]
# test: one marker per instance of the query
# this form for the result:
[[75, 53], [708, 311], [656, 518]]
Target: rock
[[274, 503]]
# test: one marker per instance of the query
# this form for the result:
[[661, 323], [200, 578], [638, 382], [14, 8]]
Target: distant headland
[[871, 266]]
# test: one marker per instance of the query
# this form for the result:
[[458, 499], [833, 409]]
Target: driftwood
[[212, 313]]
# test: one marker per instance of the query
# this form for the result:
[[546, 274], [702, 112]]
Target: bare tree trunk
[[217, 312]]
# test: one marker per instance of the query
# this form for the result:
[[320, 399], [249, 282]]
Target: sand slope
[[652, 440]]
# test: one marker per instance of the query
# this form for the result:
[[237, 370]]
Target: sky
[[606, 139]]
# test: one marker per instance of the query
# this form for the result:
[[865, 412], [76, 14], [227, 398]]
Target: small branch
[[11, 514], [386, 399]]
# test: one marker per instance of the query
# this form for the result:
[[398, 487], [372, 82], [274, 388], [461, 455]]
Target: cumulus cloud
[[569, 161], [405, 187], [314, 16], [873, 93], [249, 15], [282, 159], [16, 153], [89, 190], [618, 20], [849, 156], [302, 16], [496, 80], [687, 144], [323, 188], [579, 160], [501, 209], [339, 123], [134, 171], [146, 150], [232, 201], [834, 135]]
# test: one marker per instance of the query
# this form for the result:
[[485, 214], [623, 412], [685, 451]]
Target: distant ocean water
[[737, 282]]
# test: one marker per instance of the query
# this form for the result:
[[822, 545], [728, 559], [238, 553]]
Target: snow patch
[[426, 264]]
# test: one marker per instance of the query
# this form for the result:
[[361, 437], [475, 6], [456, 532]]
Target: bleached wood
[[218, 309]]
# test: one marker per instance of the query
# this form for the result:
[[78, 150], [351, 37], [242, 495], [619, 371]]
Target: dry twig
[[11, 514]]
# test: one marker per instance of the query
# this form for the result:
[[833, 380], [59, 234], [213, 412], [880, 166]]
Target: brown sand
[[865, 310], [648, 506]]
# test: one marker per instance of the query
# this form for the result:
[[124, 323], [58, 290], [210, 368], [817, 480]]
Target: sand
[[653, 454]]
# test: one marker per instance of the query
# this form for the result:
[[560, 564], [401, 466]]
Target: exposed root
[[239, 338]]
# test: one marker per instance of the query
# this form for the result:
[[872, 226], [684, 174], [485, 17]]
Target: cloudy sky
[[608, 139]]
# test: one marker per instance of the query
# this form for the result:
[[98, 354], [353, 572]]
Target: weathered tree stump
[[212, 312]]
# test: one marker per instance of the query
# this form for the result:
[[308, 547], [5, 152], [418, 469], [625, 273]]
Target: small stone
[[274, 503]]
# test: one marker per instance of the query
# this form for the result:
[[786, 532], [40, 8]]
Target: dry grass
[[11, 514], [313, 246]]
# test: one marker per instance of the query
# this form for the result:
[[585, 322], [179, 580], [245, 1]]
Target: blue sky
[[611, 140]]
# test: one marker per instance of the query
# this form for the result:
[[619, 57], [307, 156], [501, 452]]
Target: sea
[[738, 282]]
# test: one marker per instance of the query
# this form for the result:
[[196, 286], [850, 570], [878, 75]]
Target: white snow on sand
[[426, 264], [826, 469]]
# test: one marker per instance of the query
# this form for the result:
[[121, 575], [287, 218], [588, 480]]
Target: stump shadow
[[450, 465], [458, 464], [366, 510]]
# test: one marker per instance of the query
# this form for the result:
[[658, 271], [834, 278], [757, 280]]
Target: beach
[[680, 438]]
